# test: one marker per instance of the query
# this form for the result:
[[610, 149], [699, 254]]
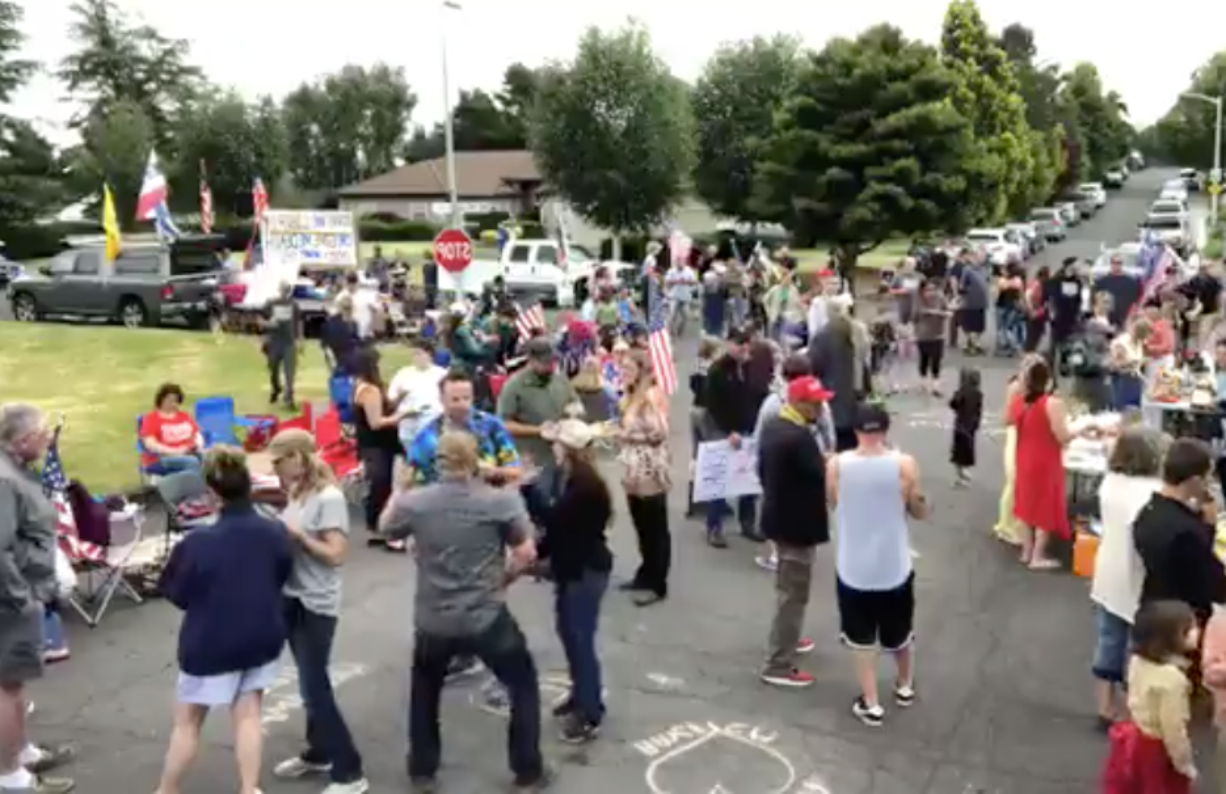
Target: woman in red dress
[[1039, 501]]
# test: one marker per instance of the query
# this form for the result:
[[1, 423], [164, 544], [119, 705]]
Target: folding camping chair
[[218, 422], [340, 393], [101, 570], [185, 498], [340, 453]]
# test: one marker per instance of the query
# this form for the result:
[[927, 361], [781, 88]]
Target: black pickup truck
[[145, 285]]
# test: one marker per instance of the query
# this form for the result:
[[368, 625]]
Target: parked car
[[1050, 223], [1087, 206], [1001, 246], [9, 271], [1115, 178], [1136, 160], [1175, 189], [1070, 212], [1032, 238], [1094, 191], [145, 285], [1192, 179], [1168, 207], [1171, 229]]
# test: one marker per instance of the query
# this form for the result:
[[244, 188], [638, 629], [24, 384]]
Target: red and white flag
[[529, 320]]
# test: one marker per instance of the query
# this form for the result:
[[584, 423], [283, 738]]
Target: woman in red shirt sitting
[[1160, 345], [168, 434]]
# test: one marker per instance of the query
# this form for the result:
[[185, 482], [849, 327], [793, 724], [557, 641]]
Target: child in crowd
[[967, 405], [1151, 753]]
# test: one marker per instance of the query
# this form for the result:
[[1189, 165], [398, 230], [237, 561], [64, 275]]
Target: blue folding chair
[[218, 422], [340, 392]]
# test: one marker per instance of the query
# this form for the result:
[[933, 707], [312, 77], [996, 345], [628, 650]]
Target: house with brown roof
[[505, 181]]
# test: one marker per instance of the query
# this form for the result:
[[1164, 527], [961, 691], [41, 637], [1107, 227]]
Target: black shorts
[[877, 618], [974, 321]]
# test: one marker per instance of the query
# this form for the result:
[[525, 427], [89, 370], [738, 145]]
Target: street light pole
[[448, 130], [1216, 101]]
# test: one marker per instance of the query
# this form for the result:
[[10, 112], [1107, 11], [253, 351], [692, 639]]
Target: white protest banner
[[294, 239], [721, 472]]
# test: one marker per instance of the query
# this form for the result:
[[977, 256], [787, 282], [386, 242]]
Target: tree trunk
[[845, 265]]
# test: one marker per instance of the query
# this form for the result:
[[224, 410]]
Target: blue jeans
[[504, 650], [577, 615], [1110, 646], [327, 735], [1127, 391], [53, 630], [746, 512], [172, 464], [1008, 336]]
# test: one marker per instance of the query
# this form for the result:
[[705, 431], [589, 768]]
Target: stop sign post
[[453, 250]]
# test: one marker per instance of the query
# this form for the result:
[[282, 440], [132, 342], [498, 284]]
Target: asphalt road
[[1003, 659]]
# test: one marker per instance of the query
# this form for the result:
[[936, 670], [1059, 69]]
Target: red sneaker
[[794, 679], [805, 645]]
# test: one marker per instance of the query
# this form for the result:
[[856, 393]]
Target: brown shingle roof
[[478, 174]]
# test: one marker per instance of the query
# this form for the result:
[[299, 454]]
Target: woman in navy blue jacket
[[227, 579]]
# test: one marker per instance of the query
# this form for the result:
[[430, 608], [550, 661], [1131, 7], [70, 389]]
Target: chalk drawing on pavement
[[665, 681], [282, 699], [670, 771]]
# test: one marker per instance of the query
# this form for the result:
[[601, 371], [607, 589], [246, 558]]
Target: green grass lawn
[[101, 377]]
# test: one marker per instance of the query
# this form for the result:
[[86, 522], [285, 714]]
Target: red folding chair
[[340, 453]]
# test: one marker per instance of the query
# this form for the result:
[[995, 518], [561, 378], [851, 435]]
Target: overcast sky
[[1146, 52]]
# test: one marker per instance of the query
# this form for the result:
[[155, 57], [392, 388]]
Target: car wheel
[[25, 310], [132, 313]]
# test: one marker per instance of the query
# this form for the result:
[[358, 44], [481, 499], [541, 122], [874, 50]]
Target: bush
[[399, 231], [42, 240]]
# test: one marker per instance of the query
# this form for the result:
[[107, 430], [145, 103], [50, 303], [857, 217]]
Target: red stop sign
[[453, 250]]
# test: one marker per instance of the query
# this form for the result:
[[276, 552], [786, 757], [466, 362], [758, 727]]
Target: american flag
[[529, 319], [55, 486], [659, 345], [206, 202], [1155, 259]]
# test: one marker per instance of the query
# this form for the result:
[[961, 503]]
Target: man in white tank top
[[873, 489]]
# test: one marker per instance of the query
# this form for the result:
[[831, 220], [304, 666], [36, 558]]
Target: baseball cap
[[572, 433], [872, 419], [539, 349], [808, 389]]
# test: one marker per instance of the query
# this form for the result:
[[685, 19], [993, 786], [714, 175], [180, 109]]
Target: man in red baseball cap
[[792, 470]]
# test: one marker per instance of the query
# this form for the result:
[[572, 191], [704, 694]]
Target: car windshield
[[983, 237], [584, 254], [1043, 215], [1174, 187], [1164, 222], [1166, 208]]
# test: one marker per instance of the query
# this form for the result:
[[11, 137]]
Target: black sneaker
[[564, 709], [873, 716], [904, 695], [577, 730], [716, 539]]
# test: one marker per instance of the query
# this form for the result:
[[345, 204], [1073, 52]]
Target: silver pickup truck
[[145, 285]]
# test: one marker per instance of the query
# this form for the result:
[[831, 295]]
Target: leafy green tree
[[1001, 173], [236, 142], [347, 127], [735, 101], [482, 121], [871, 147], [115, 147], [118, 61], [1185, 134], [1100, 117], [613, 132]]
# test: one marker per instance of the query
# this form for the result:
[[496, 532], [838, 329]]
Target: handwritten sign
[[721, 472], [310, 237]]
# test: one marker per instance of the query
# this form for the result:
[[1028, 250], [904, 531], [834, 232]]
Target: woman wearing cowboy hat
[[580, 562]]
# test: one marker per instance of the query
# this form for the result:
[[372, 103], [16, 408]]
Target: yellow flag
[[110, 224]]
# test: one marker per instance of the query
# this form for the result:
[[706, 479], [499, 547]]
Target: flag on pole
[[529, 320], [55, 486], [259, 206], [659, 345], [151, 204], [1155, 259], [563, 237], [206, 202], [110, 224]]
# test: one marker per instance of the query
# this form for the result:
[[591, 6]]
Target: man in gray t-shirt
[[282, 331], [471, 540]]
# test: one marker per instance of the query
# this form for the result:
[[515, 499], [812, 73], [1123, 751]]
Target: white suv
[[1002, 246]]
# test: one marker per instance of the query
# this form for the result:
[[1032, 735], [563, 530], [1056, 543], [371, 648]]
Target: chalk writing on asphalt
[[668, 773], [282, 698]]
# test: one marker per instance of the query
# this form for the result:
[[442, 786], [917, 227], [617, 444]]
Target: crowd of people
[[481, 459]]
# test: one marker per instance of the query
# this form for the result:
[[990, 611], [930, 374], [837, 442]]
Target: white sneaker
[[356, 787], [296, 768]]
